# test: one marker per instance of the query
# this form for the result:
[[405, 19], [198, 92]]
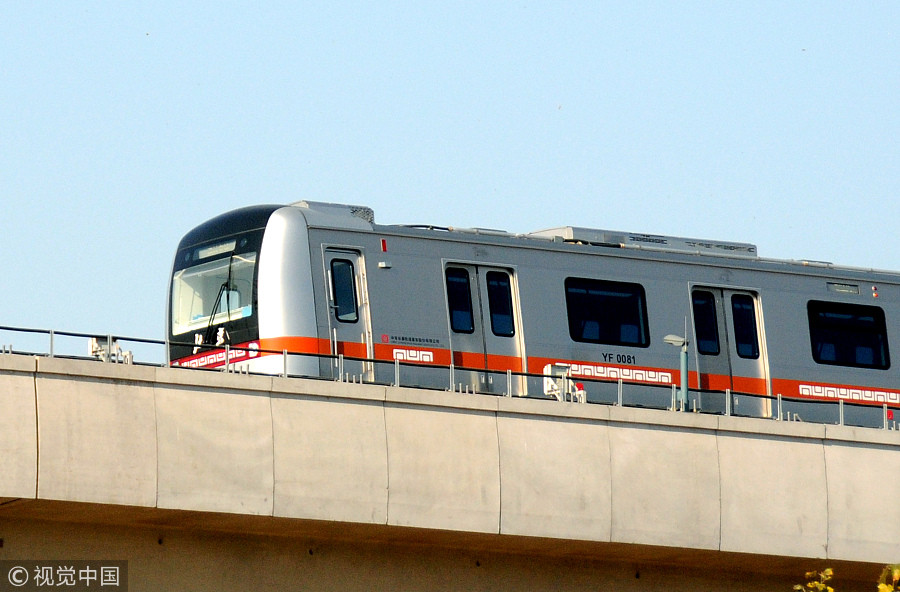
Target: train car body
[[487, 311]]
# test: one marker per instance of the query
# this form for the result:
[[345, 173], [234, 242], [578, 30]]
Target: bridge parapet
[[160, 439]]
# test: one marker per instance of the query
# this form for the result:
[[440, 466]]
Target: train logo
[[413, 355]]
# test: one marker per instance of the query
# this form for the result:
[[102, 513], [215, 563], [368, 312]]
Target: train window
[[848, 335], [212, 292], [612, 313], [706, 324], [459, 300], [746, 340], [343, 291], [500, 303]]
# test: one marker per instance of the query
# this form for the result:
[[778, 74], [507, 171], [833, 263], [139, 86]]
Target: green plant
[[816, 581], [890, 578]]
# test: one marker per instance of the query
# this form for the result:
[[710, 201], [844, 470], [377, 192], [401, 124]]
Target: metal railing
[[85, 346], [130, 350]]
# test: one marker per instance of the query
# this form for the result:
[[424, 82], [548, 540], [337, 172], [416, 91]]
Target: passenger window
[[500, 303], [706, 324], [343, 291], [746, 340], [612, 313], [852, 335], [459, 300]]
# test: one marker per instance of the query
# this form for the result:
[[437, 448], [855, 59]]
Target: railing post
[[397, 372], [780, 408], [452, 378], [340, 367], [840, 412], [227, 357], [728, 402], [509, 383], [285, 362], [51, 342], [619, 395], [885, 414]]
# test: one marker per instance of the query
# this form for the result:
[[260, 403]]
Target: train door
[[349, 329], [484, 337], [729, 349]]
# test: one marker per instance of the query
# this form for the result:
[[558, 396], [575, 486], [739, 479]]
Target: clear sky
[[125, 124]]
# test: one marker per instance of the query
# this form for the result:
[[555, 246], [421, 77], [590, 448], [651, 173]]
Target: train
[[321, 290]]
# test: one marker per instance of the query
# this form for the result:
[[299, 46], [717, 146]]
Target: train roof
[[703, 251], [592, 236]]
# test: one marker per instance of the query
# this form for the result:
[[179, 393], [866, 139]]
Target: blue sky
[[126, 124]]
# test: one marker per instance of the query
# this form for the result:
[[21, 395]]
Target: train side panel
[[364, 297]]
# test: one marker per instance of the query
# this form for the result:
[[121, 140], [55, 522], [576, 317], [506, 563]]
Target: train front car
[[213, 296]]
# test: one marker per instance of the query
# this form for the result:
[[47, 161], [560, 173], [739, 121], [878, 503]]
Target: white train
[[489, 311]]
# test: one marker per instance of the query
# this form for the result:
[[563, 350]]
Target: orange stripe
[[352, 349], [496, 362], [610, 372], [468, 359], [748, 385], [740, 384], [300, 345], [422, 355], [819, 391], [215, 358], [500, 363], [438, 356], [713, 382]]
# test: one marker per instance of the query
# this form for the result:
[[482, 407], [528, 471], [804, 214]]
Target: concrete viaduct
[[214, 481]]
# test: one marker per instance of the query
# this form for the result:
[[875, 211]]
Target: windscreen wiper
[[225, 289]]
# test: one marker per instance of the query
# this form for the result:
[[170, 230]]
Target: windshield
[[214, 291]]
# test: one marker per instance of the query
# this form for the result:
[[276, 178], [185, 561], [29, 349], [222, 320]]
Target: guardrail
[[559, 387], [87, 346]]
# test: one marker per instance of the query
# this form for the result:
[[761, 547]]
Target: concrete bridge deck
[[221, 481]]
